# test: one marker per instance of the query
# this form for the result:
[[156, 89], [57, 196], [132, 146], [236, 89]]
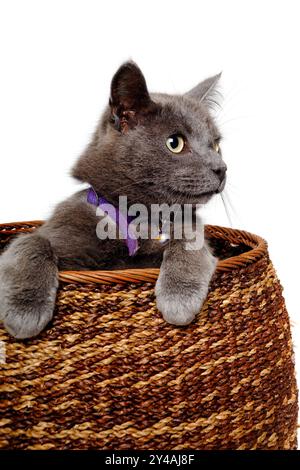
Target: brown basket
[[109, 373]]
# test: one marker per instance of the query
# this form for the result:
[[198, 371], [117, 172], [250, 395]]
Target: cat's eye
[[175, 143], [216, 146]]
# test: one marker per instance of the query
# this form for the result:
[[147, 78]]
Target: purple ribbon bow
[[117, 217]]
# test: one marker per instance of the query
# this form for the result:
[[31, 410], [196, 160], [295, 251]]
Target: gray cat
[[155, 148]]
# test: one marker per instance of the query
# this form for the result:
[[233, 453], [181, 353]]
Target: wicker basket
[[109, 373]]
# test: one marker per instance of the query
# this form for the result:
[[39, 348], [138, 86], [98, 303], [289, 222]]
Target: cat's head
[[154, 148]]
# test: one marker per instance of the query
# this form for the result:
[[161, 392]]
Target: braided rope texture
[[109, 373]]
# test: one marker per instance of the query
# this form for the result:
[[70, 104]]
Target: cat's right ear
[[130, 101], [206, 91]]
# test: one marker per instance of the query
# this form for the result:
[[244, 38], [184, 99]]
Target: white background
[[57, 59]]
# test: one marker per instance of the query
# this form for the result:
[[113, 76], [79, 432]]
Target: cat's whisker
[[226, 209], [232, 187], [230, 208], [230, 204]]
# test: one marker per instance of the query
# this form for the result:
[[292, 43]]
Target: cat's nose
[[221, 172]]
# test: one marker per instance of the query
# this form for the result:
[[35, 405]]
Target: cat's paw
[[27, 321], [179, 307]]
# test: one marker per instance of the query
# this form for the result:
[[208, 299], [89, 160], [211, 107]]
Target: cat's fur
[[127, 155]]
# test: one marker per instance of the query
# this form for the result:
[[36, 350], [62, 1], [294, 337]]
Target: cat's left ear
[[205, 91], [130, 101]]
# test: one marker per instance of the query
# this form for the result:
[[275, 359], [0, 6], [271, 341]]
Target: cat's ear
[[205, 91], [130, 101]]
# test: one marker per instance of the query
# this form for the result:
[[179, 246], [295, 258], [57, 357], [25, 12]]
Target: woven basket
[[109, 373]]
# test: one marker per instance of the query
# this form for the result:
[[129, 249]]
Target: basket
[[109, 373]]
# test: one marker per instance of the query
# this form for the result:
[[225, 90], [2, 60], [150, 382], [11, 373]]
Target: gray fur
[[126, 156], [183, 282], [28, 284]]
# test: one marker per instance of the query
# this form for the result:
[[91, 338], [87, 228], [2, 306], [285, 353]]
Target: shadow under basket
[[109, 373]]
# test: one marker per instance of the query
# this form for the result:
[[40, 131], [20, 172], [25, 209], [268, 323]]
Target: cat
[[155, 148]]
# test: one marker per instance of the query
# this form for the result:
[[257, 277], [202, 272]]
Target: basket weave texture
[[109, 373]]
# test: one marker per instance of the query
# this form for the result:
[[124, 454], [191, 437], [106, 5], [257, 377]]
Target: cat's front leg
[[28, 284], [182, 285]]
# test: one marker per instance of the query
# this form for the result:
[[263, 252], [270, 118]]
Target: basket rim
[[258, 249]]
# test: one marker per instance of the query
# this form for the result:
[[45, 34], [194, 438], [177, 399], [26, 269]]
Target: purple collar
[[120, 219]]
